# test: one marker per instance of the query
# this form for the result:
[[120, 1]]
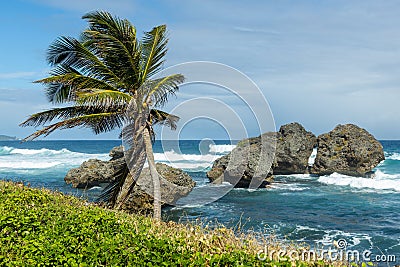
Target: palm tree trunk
[[154, 175]]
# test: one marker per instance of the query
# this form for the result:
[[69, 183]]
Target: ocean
[[314, 210]]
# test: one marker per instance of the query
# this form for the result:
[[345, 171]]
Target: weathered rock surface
[[251, 158], [294, 147], [175, 184], [347, 149], [91, 173], [117, 153], [94, 171]]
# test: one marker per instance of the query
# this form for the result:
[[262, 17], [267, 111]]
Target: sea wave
[[172, 156], [394, 156], [28, 165], [381, 181], [5, 150], [43, 158], [221, 149]]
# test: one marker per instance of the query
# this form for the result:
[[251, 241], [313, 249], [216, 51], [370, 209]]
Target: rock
[[250, 160], [293, 149], [175, 184], [90, 173], [117, 153], [294, 146], [347, 149]]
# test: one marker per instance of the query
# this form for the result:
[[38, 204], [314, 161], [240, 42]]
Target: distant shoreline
[[8, 138]]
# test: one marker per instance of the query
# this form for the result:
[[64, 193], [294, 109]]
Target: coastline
[[309, 212]]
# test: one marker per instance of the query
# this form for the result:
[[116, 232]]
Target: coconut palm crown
[[104, 80]]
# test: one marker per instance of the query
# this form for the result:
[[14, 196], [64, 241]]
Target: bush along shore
[[44, 228]]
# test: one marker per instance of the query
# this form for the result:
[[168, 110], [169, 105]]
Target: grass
[[43, 228]]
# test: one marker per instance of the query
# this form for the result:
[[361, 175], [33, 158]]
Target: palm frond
[[104, 99], [98, 123], [163, 118], [65, 82], [157, 91], [71, 52], [154, 49]]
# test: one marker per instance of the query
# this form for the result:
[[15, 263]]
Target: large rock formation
[[294, 146], [347, 149], [94, 171], [175, 183], [293, 149], [251, 158]]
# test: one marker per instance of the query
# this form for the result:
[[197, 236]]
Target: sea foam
[[381, 181], [221, 149]]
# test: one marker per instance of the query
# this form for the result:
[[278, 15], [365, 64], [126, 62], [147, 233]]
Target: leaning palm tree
[[104, 80]]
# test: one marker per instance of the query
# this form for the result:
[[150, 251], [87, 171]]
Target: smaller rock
[[117, 153], [174, 184], [90, 173]]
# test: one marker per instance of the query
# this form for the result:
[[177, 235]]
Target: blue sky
[[320, 63]]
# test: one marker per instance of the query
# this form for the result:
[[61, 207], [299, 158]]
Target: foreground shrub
[[43, 228]]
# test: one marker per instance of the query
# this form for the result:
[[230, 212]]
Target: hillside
[[40, 227]]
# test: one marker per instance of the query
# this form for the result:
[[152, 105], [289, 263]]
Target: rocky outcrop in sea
[[293, 149], [94, 171], [289, 148], [175, 183], [347, 149], [251, 158]]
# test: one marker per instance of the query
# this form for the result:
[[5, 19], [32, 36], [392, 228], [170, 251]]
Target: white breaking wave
[[394, 156], [288, 187], [190, 162], [381, 181], [172, 156], [221, 149], [311, 159], [23, 159], [28, 165]]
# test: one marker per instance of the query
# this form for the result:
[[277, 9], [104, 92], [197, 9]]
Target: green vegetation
[[107, 79], [42, 228]]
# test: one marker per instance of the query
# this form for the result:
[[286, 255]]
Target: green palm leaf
[[154, 51], [157, 91], [99, 123], [103, 99]]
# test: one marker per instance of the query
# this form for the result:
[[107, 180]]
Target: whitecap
[[382, 181], [221, 149], [394, 156], [28, 165]]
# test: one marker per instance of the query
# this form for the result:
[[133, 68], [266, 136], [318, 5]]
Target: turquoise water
[[316, 210]]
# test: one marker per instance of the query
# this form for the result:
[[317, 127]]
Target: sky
[[320, 63]]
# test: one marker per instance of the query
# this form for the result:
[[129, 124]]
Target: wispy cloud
[[256, 30], [16, 75]]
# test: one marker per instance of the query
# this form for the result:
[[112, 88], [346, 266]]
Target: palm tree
[[104, 80]]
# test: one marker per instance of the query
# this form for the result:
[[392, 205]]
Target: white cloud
[[15, 75], [82, 6]]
